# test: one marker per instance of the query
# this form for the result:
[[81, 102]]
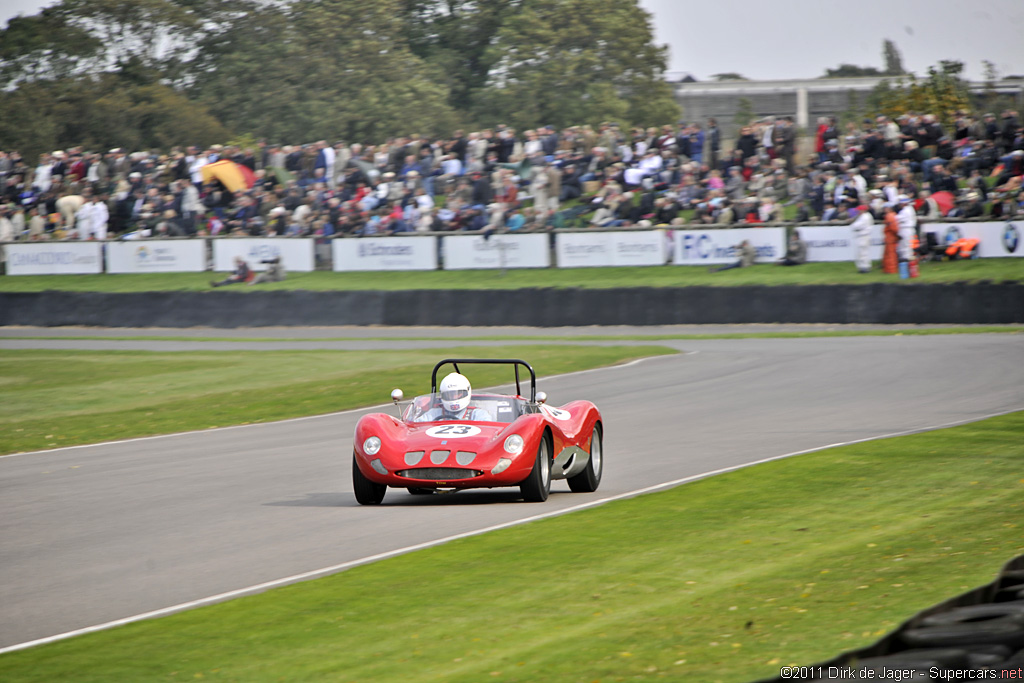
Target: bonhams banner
[[633, 248]]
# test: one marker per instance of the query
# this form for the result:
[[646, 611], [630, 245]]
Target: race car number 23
[[453, 431]]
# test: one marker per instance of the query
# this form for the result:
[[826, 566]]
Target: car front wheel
[[536, 487], [367, 492]]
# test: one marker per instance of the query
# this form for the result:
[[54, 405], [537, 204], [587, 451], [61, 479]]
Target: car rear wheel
[[589, 479], [536, 487], [367, 492]]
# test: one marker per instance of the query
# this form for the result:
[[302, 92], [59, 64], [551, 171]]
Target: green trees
[[890, 55], [323, 69], [575, 61], [101, 112], [173, 71], [851, 71], [942, 93], [893, 59]]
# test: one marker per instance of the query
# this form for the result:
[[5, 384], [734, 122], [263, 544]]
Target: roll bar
[[514, 362]]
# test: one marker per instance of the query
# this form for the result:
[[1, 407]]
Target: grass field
[[63, 398], [724, 579], [995, 270]]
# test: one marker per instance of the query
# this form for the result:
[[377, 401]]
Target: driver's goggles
[[454, 394]]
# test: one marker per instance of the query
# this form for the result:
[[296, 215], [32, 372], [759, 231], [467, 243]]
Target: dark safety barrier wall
[[877, 303]]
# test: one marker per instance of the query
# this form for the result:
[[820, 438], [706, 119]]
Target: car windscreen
[[482, 407]]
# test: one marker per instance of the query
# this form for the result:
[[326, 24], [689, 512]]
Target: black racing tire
[[536, 487], [919, 660], [977, 614], [589, 479], [996, 632], [420, 492], [1011, 594], [367, 492]]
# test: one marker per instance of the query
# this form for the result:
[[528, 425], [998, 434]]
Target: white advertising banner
[[296, 253], [166, 256], [836, 242], [996, 239], [55, 258], [586, 249], [385, 253], [462, 252], [710, 247]]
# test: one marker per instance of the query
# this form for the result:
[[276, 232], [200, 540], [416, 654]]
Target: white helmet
[[455, 393]]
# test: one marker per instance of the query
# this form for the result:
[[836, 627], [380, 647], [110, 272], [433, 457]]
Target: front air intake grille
[[439, 473]]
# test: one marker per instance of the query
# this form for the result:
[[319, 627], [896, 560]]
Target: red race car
[[454, 438]]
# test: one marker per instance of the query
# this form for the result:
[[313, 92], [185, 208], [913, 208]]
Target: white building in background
[[803, 99]]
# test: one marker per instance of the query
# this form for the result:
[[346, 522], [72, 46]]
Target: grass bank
[[64, 398], [724, 579], [996, 270]]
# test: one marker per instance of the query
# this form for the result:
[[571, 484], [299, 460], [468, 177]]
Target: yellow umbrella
[[233, 176]]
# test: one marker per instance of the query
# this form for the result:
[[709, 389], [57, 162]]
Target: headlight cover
[[514, 444], [371, 446]]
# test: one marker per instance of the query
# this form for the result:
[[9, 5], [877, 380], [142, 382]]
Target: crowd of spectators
[[501, 180]]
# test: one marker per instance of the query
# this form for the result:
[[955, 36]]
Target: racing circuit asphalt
[[95, 534]]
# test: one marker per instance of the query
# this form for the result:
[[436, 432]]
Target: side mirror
[[397, 395], [542, 397]]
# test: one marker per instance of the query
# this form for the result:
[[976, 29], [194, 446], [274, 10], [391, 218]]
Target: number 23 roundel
[[452, 431]]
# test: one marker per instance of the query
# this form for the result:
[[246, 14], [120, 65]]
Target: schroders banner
[[385, 253], [462, 252], [711, 247], [634, 248], [55, 258], [166, 256], [296, 253]]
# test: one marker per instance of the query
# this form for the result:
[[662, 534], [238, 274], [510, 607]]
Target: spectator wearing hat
[[68, 205], [906, 217], [890, 233], [796, 250], [36, 225], [6, 226], [42, 178], [100, 217], [539, 182], [930, 210], [862, 226], [972, 206]]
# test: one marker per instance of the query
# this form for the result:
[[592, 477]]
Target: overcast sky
[[764, 39]]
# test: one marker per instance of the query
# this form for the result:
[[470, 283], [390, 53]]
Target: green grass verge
[[898, 332], [725, 579], [997, 270], [64, 398]]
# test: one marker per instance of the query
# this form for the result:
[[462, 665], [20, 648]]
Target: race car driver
[[456, 394]]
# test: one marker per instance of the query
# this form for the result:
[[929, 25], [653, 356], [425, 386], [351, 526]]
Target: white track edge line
[[380, 406], [327, 571]]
